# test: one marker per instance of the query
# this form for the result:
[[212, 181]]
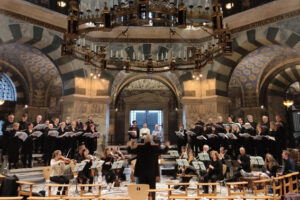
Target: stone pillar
[[206, 107], [81, 106]]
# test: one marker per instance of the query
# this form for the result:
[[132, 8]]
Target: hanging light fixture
[[61, 3], [2, 102], [288, 103], [229, 5]]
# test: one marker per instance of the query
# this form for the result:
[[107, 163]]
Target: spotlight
[[176, 109], [116, 109], [197, 78], [61, 3], [91, 74], [262, 106], [200, 75], [26, 106], [229, 5], [94, 77], [2, 102], [99, 75]]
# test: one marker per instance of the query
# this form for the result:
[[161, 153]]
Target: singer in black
[[134, 128], [27, 147]]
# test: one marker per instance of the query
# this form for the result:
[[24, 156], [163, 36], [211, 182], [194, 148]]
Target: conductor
[[146, 168]]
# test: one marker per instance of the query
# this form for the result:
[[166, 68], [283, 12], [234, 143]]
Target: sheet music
[[245, 135], [132, 133], [191, 133], [88, 135], [203, 156], [21, 135], [201, 137], [270, 138], [40, 127], [173, 153], [37, 134], [223, 135], [53, 133], [231, 136], [79, 167], [97, 164], [117, 164], [179, 133], [209, 136]]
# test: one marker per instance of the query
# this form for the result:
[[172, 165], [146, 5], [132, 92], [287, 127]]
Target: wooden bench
[[64, 186], [186, 185], [82, 191], [22, 192], [43, 198], [114, 198], [250, 181], [240, 185], [159, 190], [11, 198], [264, 184], [213, 185]]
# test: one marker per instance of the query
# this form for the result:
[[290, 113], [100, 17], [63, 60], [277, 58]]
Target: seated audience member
[[288, 163], [57, 170], [244, 160], [269, 169], [205, 149], [223, 154], [214, 170]]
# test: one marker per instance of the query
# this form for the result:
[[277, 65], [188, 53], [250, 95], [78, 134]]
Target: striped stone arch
[[19, 81], [283, 80], [48, 42], [244, 43]]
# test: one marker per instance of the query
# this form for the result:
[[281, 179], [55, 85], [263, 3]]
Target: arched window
[[7, 89]]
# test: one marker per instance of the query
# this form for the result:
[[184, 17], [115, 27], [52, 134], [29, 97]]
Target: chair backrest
[[46, 173], [212, 185], [287, 183], [277, 187], [240, 185], [294, 182], [261, 186], [138, 191]]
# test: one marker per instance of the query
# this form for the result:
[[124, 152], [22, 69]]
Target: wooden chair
[[23, 192], [82, 191], [286, 184], [213, 185], [241, 186], [43, 198], [158, 190], [138, 191], [264, 184], [64, 186], [277, 187], [294, 182], [114, 198], [250, 181], [186, 185], [78, 198], [46, 174], [11, 198]]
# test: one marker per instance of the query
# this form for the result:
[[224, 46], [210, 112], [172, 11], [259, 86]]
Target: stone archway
[[144, 94]]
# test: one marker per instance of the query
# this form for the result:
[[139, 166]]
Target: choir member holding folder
[[181, 137], [14, 144], [134, 131], [27, 147]]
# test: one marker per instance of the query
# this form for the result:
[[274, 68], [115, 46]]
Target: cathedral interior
[[47, 69]]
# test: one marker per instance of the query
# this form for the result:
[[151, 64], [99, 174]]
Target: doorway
[[151, 117]]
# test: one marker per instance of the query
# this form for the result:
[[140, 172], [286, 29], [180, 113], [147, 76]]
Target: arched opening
[[152, 101], [8, 94]]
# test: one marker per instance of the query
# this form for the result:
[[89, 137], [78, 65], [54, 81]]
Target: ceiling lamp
[[288, 103], [61, 3], [85, 18], [2, 102], [229, 5]]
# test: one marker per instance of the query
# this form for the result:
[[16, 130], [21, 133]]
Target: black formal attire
[[86, 174], [289, 166], [181, 140], [38, 141], [61, 141], [260, 145], [248, 143], [213, 174], [193, 141], [146, 167], [14, 144], [6, 135], [107, 172], [280, 137], [272, 171], [27, 149], [213, 142], [79, 126], [245, 165], [50, 146], [23, 125], [134, 128]]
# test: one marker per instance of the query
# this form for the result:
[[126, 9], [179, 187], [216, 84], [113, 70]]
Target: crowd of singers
[[257, 138], [45, 137]]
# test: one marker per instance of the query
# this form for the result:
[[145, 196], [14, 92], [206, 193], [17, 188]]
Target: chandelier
[[87, 17]]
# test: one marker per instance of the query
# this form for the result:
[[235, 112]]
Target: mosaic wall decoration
[[7, 89], [249, 70]]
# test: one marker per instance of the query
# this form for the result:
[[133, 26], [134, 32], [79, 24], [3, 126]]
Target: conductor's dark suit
[[146, 167]]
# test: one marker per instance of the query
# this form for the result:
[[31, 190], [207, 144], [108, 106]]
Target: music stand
[[78, 168], [117, 166], [203, 156], [174, 153]]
